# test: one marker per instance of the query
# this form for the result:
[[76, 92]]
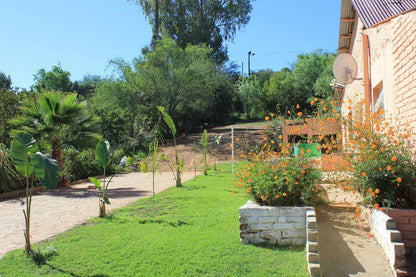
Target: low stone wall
[[406, 223], [385, 232], [281, 225], [272, 225]]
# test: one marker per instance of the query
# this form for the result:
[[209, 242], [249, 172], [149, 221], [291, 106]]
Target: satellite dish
[[345, 69]]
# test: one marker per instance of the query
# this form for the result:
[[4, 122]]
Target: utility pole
[[242, 69], [249, 54]]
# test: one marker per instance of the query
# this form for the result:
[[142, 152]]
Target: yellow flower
[[284, 194], [266, 118]]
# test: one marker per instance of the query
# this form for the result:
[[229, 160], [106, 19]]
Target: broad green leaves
[[96, 183], [27, 159], [102, 154], [168, 120], [46, 169], [23, 146]]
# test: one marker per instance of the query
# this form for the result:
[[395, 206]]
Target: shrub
[[384, 172], [10, 179], [81, 165], [275, 178]]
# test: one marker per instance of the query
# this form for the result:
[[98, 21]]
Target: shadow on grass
[[291, 248], [115, 219], [69, 192]]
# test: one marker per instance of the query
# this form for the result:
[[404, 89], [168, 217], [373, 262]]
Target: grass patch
[[191, 231]]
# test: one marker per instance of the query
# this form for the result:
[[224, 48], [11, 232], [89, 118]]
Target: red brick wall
[[392, 63], [406, 224]]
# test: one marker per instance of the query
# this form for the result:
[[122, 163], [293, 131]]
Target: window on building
[[378, 98]]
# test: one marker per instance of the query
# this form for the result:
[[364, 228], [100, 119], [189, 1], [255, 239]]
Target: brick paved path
[[54, 212]]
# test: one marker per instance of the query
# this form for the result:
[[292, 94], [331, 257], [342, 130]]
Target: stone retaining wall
[[282, 225], [385, 232], [272, 225]]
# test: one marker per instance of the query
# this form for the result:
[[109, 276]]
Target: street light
[[249, 54]]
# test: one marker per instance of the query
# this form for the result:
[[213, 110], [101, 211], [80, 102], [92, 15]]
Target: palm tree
[[56, 119]]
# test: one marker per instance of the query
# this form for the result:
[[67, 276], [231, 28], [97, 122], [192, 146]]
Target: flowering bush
[[383, 170], [276, 178]]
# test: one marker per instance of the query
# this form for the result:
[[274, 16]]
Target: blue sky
[[83, 35]]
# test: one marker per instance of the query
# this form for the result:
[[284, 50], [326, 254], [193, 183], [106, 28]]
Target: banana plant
[[178, 163], [204, 142], [103, 157], [30, 163]]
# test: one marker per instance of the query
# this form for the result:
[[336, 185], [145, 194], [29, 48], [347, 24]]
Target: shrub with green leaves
[[383, 170], [280, 182]]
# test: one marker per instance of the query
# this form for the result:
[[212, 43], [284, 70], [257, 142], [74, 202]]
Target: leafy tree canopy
[[56, 79], [196, 22], [5, 81]]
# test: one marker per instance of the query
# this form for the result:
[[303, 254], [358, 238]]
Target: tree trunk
[[156, 26], [57, 155], [102, 208]]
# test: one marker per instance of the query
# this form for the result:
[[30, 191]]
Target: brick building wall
[[392, 69]]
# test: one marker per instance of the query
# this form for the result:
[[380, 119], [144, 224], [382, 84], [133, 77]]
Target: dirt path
[[54, 212], [345, 246]]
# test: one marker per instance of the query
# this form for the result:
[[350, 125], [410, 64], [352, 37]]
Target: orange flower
[[299, 114], [399, 179], [265, 138], [272, 114], [364, 174], [277, 196], [393, 159], [297, 106], [373, 194], [288, 112], [237, 139], [284, 194], [376, 206], [280, 136], [312, 102], [266, 118], [388, 168], [262, 197], [377, 191]]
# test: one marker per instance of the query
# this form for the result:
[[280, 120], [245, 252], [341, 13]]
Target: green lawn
[[191, 231]]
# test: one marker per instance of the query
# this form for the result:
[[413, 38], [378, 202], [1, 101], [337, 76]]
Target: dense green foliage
[[56, 79], [56, 119], [183, 232], [309, 77], [186, 82], [209, 22], [9, 109], [79, 165], [383, 169], [9, 177]]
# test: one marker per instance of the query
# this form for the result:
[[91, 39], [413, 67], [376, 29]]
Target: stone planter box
[[272, 225], [283, 226]]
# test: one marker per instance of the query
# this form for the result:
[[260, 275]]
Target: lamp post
[[249, 54]]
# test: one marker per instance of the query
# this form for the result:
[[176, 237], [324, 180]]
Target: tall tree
[[195, 22], [56, 79], [5, 81]]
